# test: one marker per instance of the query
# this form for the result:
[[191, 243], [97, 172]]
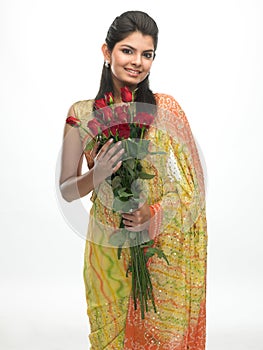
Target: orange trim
[[156, 220]]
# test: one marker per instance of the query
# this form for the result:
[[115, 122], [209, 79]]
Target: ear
[[106, 53]]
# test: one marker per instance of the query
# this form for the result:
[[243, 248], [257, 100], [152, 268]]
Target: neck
[[117, 96], [117, 85]]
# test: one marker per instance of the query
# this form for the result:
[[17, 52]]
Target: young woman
[[173, 213]]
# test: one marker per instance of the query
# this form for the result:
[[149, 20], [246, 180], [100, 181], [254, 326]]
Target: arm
[[74, 184]]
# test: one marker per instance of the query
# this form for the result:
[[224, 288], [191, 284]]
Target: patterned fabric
[[176, 196]]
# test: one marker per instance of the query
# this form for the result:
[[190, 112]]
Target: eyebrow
[[133, 48]]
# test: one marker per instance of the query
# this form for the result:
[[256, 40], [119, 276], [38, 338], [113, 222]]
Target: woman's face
[[130, 60]]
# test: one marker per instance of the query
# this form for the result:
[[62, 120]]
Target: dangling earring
[[107, 64]]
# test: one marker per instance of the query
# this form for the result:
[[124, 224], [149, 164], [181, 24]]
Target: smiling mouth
[[132, 71]]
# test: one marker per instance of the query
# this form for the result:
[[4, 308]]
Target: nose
[[136, 60]]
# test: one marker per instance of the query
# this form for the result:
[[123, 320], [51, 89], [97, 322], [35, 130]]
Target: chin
[[133, 82]]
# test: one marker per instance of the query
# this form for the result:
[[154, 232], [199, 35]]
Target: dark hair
[[122, 26]]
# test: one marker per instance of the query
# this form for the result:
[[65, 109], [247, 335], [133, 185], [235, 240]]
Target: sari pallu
[[176, 196]]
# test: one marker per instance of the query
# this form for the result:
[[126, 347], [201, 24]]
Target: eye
[[148, 55], [127, 51]]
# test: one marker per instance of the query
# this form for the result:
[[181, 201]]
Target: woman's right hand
[[107, 161]]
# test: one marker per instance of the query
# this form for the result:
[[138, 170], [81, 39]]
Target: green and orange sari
[[176, 196]]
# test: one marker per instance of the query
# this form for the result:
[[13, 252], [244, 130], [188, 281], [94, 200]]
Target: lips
[[133, 71]]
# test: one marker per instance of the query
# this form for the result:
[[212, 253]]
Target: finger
[[117, 157], [128, 216], [95, 150], [104, 148], [131, 229], [136, 228], [113, 149], [117, 167], [129, 223]]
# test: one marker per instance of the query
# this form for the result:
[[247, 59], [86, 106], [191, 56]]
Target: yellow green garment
[[177, 193]]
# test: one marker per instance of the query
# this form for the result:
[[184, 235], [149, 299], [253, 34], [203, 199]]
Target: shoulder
[[168, 102], [82, 108]]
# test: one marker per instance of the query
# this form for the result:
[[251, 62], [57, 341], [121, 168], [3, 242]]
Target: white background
[[210, 59]]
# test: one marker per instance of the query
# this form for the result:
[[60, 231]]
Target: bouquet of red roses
[[128, 123]]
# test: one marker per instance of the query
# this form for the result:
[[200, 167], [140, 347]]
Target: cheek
[[119, 61], [148, 65]]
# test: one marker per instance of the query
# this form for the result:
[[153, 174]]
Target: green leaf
[[123, 194], [144, 145], [128, 206], [118, 238], [161, 152], [142, 154], [117, 204], [89, 146], [129, 269], [152, 251], [130, 163], [161, 255], [132, 173], [119, 252], [116, 182], [147, 244], [132, 148], [143, 175], [124, 206]]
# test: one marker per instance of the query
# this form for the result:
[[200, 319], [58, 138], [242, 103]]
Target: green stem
[[140, 291], [133, 278], [143, 278], [88, 132]]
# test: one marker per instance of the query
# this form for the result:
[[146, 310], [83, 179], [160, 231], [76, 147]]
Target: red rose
[[126, 94], [107, 114], [101, 103], [143, 119], [114, 129], [106, 133], [124, 130], [104, 115], [99, 115], [109, 98], [94, 126], [121, 114], [73, 121]]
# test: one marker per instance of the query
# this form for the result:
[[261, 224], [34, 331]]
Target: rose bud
[[109, 98], [101, 103], [126, 94], [73, 121]]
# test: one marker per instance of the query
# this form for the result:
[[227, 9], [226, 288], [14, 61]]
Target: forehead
[[138, 41]]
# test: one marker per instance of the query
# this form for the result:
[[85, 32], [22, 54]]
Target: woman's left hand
[[138, 220]]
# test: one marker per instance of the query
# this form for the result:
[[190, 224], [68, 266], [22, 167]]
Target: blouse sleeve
[[83, 111]]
